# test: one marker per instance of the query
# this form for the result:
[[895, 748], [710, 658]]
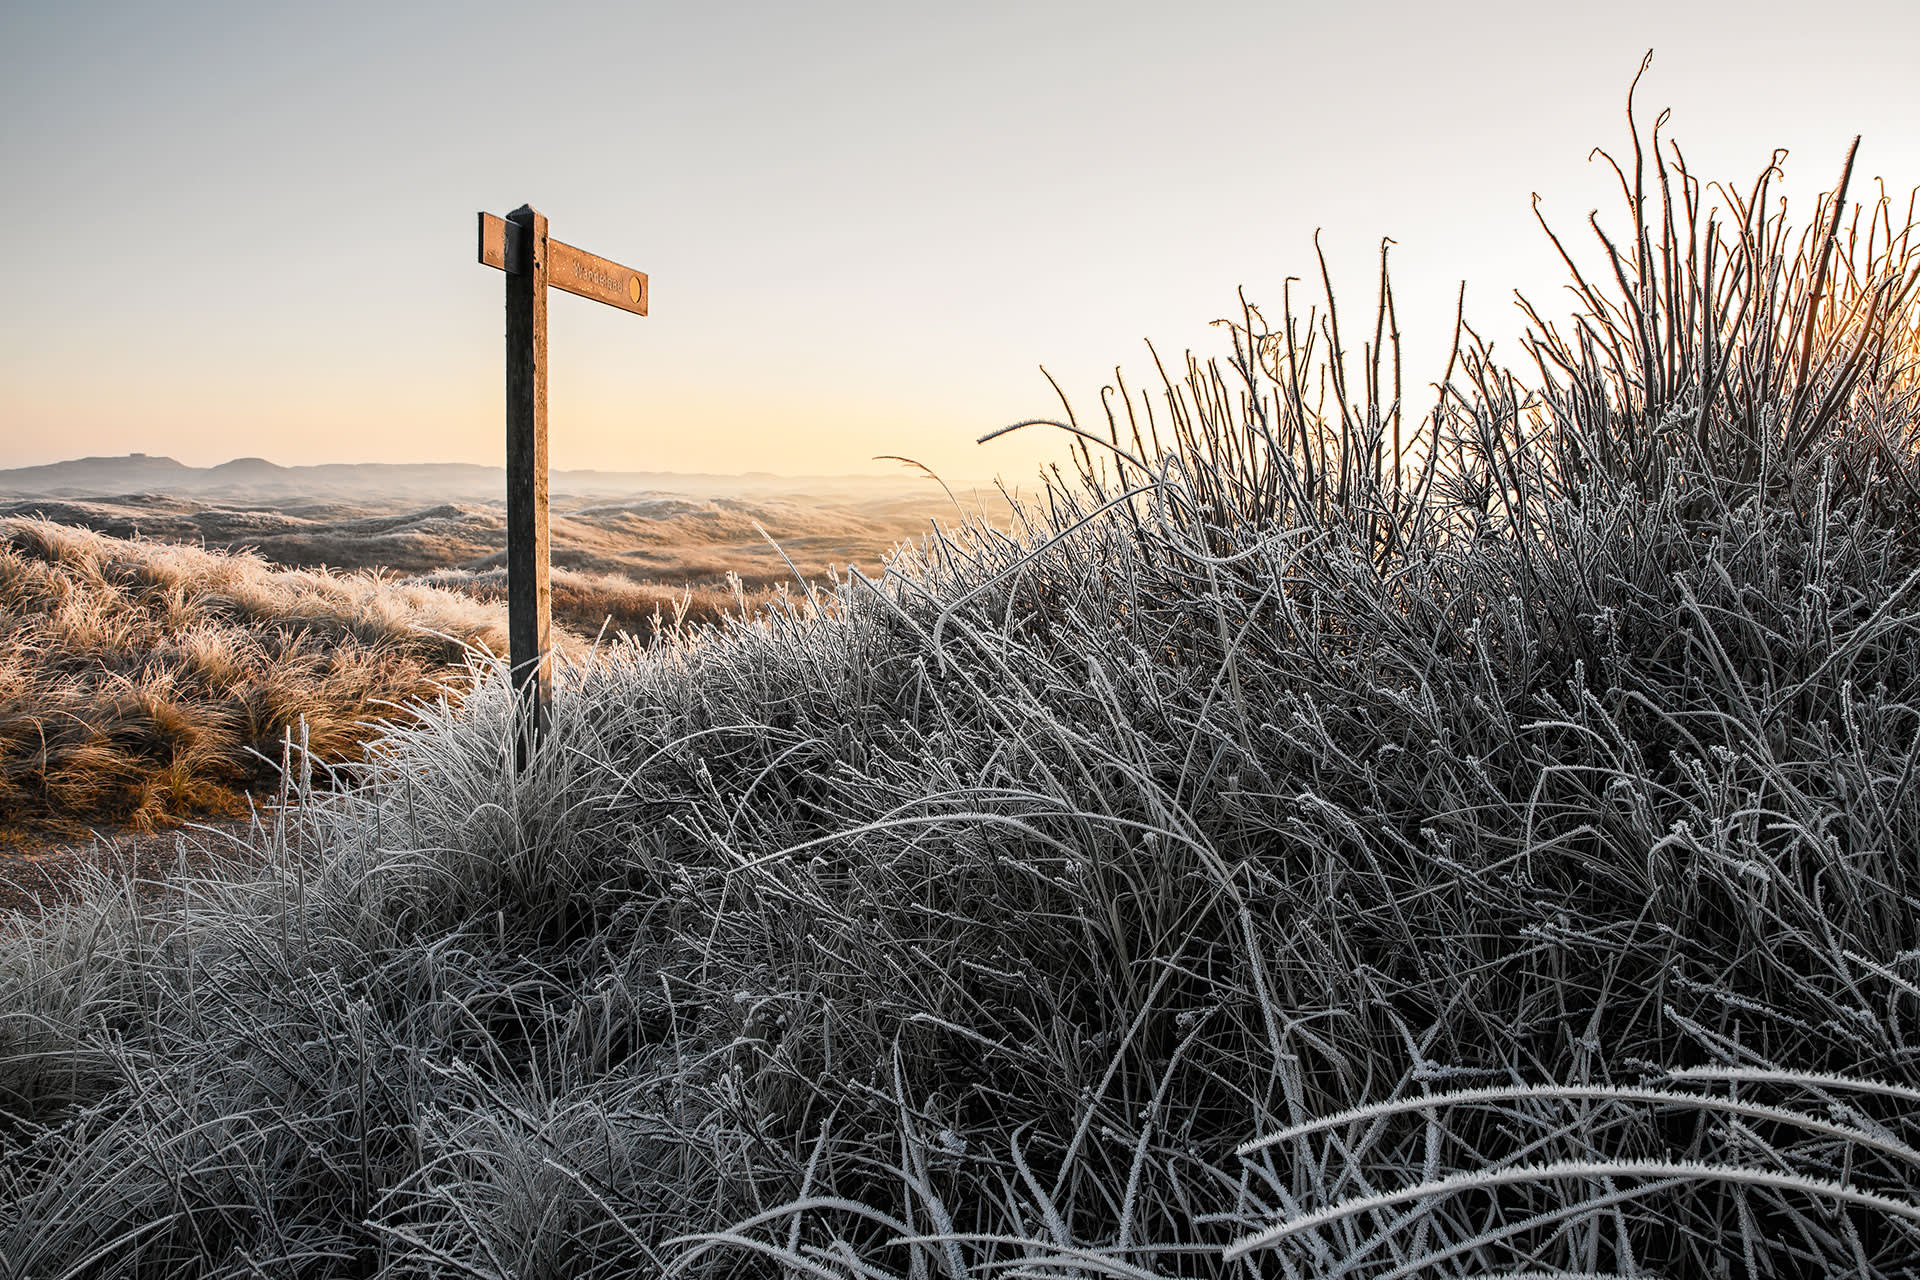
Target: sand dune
[[655, 537], [251, 481]]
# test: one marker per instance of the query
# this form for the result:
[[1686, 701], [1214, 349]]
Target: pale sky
[[247, 228]]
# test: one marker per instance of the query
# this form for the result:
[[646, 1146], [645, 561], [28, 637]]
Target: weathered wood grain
[[493, 241], [529, 591]]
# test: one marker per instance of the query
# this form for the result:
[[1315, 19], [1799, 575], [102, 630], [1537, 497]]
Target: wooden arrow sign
[[519, 245], [503, 247]]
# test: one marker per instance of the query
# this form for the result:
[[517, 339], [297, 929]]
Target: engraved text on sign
[[575, 270]]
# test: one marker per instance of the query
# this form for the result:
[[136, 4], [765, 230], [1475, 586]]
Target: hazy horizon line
[[906, 468]]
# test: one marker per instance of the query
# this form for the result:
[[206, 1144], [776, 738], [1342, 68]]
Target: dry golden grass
[[143, 682]]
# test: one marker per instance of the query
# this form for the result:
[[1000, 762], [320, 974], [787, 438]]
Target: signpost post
[[519, 245]]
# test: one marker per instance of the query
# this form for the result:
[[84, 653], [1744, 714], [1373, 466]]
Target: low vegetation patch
[[143, 682], [1318, 842], [606, 605]]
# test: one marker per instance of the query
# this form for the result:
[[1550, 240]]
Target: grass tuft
[[145, 683]]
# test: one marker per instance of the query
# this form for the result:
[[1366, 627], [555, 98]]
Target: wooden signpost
[[519, 245]]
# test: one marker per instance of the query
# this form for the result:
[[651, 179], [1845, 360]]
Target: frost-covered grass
[[1318, 843]]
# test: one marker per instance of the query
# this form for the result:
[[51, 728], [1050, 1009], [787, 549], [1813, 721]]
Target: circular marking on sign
[[633, 288]]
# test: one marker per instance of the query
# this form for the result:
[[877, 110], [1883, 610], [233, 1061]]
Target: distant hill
[[133, 473], [257, 479]]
